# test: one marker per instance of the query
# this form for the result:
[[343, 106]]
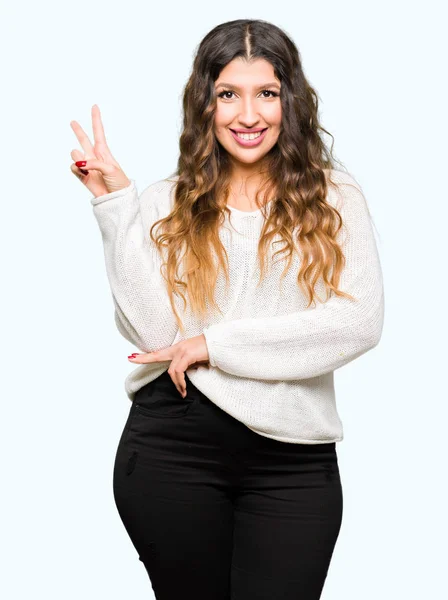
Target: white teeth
[[249, 136]]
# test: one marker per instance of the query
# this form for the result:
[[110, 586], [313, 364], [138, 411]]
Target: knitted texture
[[271, 359]]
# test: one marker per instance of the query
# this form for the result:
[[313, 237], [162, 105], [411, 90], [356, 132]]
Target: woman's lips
[[249, 143]]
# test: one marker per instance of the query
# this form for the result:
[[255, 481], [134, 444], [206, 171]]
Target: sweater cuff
[[98, 199], [210, 339]]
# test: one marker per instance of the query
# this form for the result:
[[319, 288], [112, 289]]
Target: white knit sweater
[[271, 359]]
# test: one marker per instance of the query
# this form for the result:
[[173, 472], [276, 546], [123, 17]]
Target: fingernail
[[84, 172], [80, 163]]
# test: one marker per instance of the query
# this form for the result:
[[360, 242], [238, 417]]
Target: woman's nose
[[248, 114]]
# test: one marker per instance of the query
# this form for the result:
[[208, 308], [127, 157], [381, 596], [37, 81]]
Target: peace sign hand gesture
[[101, 173]]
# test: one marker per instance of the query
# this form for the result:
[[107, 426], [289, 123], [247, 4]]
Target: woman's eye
[[222, 94], [274, 94]]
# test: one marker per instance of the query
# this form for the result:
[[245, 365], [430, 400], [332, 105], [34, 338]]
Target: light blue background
[[380, 71]]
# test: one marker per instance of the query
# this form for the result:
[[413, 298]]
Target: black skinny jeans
[[216, 511]]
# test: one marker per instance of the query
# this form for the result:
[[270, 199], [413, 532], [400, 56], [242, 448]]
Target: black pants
[[216, 511]]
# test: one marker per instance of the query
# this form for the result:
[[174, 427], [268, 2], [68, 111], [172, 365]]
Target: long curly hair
[[296, 173]]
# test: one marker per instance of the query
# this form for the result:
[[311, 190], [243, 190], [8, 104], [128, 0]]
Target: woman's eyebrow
[[236, 87]]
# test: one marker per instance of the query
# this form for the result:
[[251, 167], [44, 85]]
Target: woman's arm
[[143, 313], [315, 341]]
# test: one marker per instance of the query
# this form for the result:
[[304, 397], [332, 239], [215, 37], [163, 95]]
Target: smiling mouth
[[248, 136]]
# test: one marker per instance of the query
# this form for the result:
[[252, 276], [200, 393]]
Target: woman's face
[[248, 98]]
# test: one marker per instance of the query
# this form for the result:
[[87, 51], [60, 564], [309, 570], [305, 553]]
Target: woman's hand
[[101, 174], [182, 355]]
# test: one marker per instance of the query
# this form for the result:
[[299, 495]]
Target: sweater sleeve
[[143, 313], [315, 341]]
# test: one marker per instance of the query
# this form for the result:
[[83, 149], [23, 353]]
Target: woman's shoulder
[[344, 191], [339, 178], [158, 196], [161, 187]]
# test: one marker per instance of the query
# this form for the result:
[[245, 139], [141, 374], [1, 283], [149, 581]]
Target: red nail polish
[[80, 163]]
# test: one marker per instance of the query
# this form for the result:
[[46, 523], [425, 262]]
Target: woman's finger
[[101, 149], [98, 130], [96, 165], [177, 369], [77, 155], [83, 139], [80, 173]]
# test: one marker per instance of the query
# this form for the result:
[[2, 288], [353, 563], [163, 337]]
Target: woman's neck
[[242, 193]]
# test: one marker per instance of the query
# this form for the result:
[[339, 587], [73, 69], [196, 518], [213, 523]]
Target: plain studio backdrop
[[380, 71]]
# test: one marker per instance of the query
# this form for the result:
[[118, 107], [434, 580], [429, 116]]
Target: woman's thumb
[[96, 165]]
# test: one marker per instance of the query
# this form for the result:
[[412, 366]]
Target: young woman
[[245, 279]]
